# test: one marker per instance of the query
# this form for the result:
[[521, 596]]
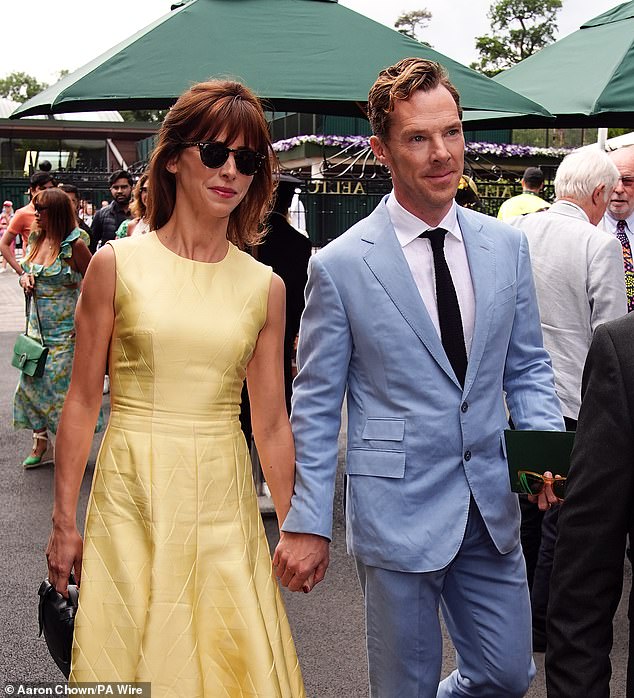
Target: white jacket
[[578, 271]]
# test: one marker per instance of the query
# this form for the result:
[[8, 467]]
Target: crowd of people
[[439, 325]]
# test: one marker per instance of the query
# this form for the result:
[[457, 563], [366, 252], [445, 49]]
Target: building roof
[[8, 106]]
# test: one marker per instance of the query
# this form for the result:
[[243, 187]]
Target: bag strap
[[37, 315], [27, 309]]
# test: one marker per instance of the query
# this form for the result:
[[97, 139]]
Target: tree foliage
[[410, 23], [614, 132], [20, 86], [149, 115], [519, 28]]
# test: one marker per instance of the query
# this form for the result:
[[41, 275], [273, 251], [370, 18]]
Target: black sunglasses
[[214, 154], [39, 207]]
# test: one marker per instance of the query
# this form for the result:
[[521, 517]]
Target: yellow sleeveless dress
[[177, 586]]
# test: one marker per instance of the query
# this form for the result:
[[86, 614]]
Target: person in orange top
[[23, 219], [6, 214]]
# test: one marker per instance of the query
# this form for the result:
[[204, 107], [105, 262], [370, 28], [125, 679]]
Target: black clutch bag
[[57, 621]]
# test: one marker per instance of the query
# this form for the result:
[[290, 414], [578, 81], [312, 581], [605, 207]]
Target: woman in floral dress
[[51, 273]]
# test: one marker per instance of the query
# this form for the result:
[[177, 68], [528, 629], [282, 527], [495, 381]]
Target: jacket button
[[467, 455], [464, 407]]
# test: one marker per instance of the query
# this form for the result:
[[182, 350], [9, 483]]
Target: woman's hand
[[27, 282], [64, 555]]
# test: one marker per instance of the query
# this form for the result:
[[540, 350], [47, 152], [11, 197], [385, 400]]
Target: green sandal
[[44, 458]]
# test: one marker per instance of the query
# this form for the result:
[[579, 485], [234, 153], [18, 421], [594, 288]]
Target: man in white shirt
[[619, 217], [423, 314], [578, 271]]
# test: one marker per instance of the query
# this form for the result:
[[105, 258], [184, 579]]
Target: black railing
[[331, 205]]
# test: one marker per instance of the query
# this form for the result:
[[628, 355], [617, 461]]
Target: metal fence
[[331, 206], [334, 205], [494, 194], [92, 186]]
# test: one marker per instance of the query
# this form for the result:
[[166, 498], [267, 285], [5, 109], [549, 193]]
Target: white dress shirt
[[420, 259], [609, 224]]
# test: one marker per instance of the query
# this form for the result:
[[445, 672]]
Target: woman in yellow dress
[[176, 581]]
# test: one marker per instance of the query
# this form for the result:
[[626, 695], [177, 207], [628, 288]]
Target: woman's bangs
[[231, 119]]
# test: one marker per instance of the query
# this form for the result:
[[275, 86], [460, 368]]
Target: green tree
[[150, 115], [614, 132], [20, 86], [410, 23], [519, 28]]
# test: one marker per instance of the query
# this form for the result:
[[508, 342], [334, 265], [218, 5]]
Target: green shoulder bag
[[29, 353]]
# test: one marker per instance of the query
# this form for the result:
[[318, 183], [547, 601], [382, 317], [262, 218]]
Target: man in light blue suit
[[426, 335]]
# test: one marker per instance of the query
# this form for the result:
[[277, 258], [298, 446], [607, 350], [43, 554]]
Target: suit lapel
[[481, 256], [386, 261]]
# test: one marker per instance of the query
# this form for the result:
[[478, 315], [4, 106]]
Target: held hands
[[64, 555], [300, 560]]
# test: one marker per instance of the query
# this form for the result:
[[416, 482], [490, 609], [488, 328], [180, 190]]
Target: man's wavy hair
[[205, 112], [398, 82]]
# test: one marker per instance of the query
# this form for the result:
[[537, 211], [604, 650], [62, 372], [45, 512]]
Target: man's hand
[[301, 560], [546, 498]]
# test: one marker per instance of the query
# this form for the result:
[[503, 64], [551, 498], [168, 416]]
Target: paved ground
[[11, 303], [327, 623]]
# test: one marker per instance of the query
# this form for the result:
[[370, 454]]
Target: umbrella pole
[[602, 137]]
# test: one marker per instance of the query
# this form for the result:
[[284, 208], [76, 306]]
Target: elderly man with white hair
[[619, 216], [578, 271]]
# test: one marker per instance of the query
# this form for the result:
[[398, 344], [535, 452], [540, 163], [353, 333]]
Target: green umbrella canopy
[[587, 78], [312, 56]]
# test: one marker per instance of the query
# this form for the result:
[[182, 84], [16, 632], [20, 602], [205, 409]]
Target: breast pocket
[[380, 429]]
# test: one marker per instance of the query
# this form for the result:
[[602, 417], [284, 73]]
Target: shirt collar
[[408, 227], [611, 221]]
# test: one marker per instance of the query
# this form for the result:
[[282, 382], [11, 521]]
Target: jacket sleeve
[[587, 574], [96, 230], [529, 381], [606, 283], [323, 357]]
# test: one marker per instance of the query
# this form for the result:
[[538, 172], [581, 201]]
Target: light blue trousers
[[486, 606]]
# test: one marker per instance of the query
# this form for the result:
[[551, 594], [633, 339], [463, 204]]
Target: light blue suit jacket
[[418, 444]]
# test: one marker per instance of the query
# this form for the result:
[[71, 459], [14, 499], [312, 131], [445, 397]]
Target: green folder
[[537, 451]]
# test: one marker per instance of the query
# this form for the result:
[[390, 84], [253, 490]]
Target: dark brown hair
[[39, 179], [204, 112], [60, 221], [398, 82], [137, 207]]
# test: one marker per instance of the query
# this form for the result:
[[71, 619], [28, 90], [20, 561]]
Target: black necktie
[[451, 332]]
